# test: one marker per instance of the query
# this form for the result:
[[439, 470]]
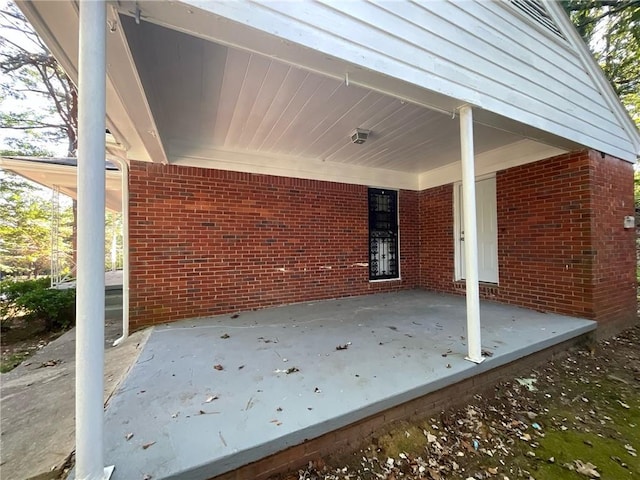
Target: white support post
[[91, 230], [124, 190], [470, 235]]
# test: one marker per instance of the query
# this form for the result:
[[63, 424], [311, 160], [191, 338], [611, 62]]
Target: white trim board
[[512, 155], [283, 166]]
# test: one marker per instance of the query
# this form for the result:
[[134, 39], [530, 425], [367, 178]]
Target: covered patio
[[280, 152], [208, 396]]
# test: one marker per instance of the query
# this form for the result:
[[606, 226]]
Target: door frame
[[458, 228]]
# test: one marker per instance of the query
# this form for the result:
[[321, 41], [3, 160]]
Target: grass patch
[[12, 361], [572, 445]]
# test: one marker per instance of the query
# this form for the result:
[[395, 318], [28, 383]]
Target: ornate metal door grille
[[383, 234]]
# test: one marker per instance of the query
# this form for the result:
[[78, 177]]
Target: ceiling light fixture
[[359, 136]]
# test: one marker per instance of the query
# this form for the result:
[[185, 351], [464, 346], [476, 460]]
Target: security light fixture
[[359, 136]]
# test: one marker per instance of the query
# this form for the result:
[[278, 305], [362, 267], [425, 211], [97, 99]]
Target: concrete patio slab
[[37, 403], [210, 395]]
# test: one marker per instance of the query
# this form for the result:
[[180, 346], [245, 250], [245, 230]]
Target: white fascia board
[[508, 156], [596, 73], [295, 167]]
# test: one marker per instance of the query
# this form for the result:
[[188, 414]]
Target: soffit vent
[[536, 11]]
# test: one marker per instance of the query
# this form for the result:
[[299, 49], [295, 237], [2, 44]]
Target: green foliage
[[55, 307], [113, 241], [13, 361], [11, 291], [612, 31], [25, 227], [39, 101], [34, 300]]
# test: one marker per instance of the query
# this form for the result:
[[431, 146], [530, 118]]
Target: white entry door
[[487, 223]]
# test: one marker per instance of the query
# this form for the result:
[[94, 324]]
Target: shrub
[[37, 301], [10, 291]]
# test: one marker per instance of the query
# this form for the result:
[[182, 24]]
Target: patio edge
[[348, 438]]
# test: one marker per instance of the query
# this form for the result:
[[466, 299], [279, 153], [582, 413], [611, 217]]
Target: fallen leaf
[[147, 445], [49, 363], [291, 370], [218, 367], [528, 383], [225, 336], [587, 469], [235, 315], [211, 398], [128, 436]]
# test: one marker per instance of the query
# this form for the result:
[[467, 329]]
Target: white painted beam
[[91, 207], [124, 172], [286, 166], [470, 235], [501, 158]]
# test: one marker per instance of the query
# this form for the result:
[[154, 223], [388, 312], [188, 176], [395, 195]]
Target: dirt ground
[[24, 339], [576, 418], [21, 341]]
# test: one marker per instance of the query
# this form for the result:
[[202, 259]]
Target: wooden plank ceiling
[[208, 96]]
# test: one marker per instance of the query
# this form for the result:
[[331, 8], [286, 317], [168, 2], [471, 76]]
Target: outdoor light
[[359, 136]]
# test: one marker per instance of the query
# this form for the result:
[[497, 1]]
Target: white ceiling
[[207, 96]]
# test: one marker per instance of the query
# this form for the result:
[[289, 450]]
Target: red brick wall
[[561, 242], [544, 235], [207, 242], [614, 282], [436, 239]]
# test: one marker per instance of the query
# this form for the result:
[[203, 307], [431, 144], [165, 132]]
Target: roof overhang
[[190, 83], [61, 174]]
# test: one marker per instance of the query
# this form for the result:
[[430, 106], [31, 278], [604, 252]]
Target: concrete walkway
[[38, 403], [210, 395]]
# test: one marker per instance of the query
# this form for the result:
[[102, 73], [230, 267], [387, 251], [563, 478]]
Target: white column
[[470, 235], [124, 191], [91, 234]]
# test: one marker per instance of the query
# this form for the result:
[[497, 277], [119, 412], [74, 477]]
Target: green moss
[[13, 361], [404, 438], [572, 445], [617, 426]]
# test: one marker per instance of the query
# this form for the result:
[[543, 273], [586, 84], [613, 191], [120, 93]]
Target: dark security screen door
[[383, 234]]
